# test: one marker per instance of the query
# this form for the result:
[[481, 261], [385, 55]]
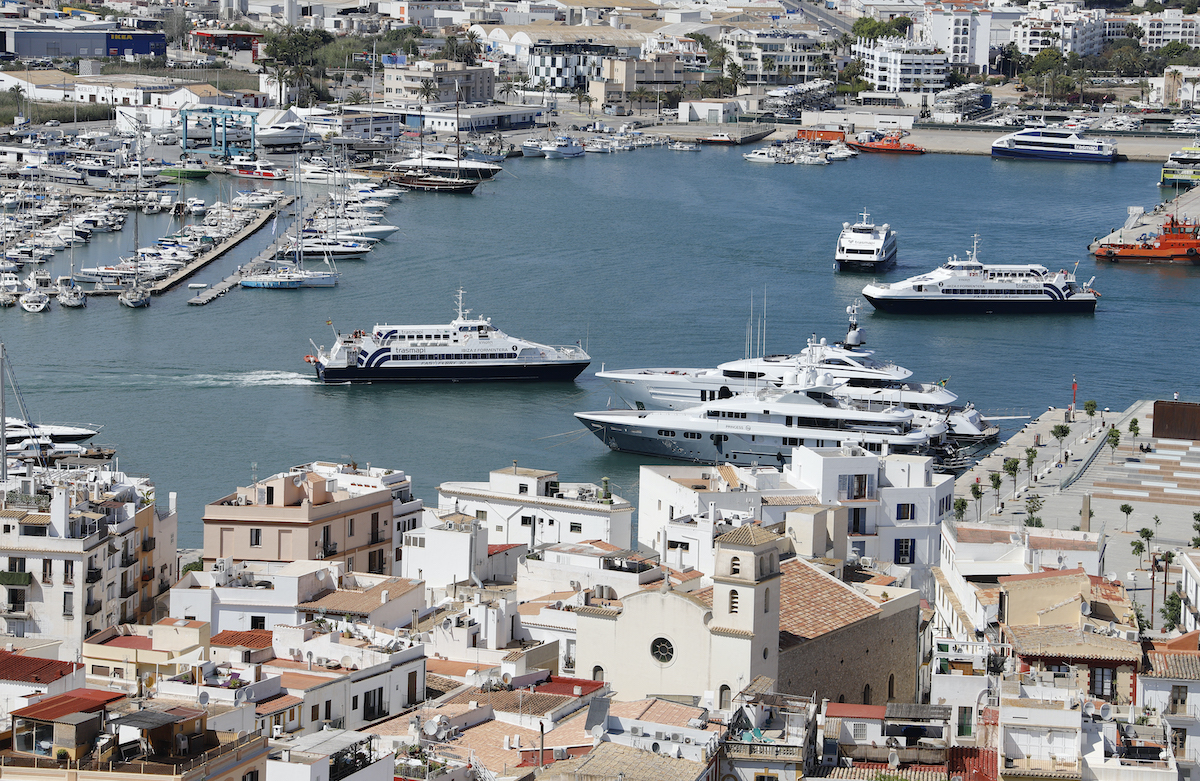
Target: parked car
[[52, 123]]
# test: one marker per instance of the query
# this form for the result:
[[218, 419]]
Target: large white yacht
[[1055, 143], [464, 350], [446, 164], [764, 426], [865, 380], [865, 246], [966, 287], [16, 430]]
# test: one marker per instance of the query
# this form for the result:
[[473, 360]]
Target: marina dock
[[1142, 223]]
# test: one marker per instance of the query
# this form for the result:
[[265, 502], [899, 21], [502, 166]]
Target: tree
[[1138, 547], [176, 26], [279, 74], [997, 480], [769, 65], [1060, 432], [1133, 32], [785, 74], [1012, 467], [977, 495], [1170, 612], [543, 86], [960, 508], [589, 100], [1089, 406], [1166, 560], [471, 47], [579, 95], [1114, 439], [639, 95], [427, 91], [1033, 505], [717, 57], [1031, 455], [737, 77], [1134, 429], [523, 80], [1196, 528], [356, 97], [506, 89], [1128, 509]]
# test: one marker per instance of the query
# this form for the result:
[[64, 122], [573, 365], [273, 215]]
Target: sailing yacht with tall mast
[[135, 296]]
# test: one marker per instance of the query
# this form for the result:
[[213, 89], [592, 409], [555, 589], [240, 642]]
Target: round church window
[[662, 650]]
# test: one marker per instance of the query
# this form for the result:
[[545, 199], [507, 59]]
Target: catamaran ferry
[[465, 350]]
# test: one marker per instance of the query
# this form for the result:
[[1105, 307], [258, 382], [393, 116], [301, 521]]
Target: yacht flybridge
[[865, 379]]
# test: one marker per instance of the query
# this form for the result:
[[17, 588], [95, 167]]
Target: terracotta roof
[[1046, 575], [253, 638], [450, 669], [486, 740], [1183, 665], [657, 711], [517, 701], [612, 760], [812, 604], [31, 669], [74, 701], [138, 642], [846, 710], [277, 703], [302, 682], [494, 549], [749, 535], [437, 685], [1070, 642], [566, 686], [344, 601]]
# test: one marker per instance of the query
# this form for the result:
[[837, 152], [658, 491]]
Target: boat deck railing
[[571, 351]]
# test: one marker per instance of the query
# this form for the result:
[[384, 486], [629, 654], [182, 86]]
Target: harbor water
[[648, 258]]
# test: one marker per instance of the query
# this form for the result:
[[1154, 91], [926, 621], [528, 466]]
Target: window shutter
[[870, 486], [843, 486], [896, 555]]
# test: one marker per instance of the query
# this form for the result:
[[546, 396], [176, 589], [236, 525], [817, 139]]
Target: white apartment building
[[608, 571], [899, 65], [961, 28], [1170, 24], [762, 54], [342, 754], [248, 596], [1064, 26], [533, 507], [1169, 682], [82, 552]]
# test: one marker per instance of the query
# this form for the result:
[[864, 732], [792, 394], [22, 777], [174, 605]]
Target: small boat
[[257, 169], [890, 143], [196, 206], [563, 147], [719, 138], [683, 146], [70, 294], [34, 301], [197, 285], [424, 181], [1179, 242], [532, 147], [764, 154], [865, 246], [185, 169], [135, 296], [7, 299]]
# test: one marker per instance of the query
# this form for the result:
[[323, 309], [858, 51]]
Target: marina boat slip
[[1182, 168], [967, 287], [464, 350], [1054, 143], [763, 426], [446, 164], [865, 246], [865, 380], [1178, 242]]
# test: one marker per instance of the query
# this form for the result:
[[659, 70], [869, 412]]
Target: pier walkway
[[1141, 223]]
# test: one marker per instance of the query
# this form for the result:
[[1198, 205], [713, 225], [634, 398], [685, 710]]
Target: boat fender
[[1191, 250], [310, 359], [1109, 253]]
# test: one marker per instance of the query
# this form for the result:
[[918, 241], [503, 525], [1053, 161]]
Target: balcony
[[328, 550], [147, 545], [763, 751], [375, 713], [147, 605], [163, 586], [128, 589], [68, 612], [93, 575], [92, 608], [14, 609], [148, 576], [1049, 768], [376, 538], [128, 559], [16, 578]]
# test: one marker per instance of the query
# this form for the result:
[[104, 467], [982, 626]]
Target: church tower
[[746, 588]]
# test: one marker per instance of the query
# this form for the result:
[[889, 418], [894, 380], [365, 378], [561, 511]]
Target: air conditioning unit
[[560, 752], [658, 736], [276, 730], [636, 731], [687, 739], [676, 738], [866, 561], [1131, 636]]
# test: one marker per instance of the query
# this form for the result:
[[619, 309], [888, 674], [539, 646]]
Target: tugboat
[[1179, 242], [872, 141], [465, 350]]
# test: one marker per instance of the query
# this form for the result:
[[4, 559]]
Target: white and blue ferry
[[464, 350], [1055, 143]]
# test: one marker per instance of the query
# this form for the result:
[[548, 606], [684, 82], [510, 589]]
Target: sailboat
[[289, 273], [426, 181], [135, 296], [70, 294]]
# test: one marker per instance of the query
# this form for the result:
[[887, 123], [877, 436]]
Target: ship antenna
[[458, 300]]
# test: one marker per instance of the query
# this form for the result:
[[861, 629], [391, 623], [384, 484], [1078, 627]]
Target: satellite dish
[[250, 695], [506, 679], [443, 721], [203, 698], [441, 732], [320, 574], [1085, 608], [1130, 731], [1106, 711], [893, 760], [1089, 708], [298, 480], [241, 734], [431, 727], [448, 624], [347, 661], [598, 732], [310, 656]]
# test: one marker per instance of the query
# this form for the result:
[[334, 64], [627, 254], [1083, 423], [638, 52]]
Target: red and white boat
[[257, 169], [1179, 242], [890, 143]]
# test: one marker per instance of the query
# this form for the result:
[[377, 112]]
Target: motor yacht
[[865, 246]]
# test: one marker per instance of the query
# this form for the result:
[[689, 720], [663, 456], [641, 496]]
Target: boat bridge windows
[[716, 413], [740, 375]]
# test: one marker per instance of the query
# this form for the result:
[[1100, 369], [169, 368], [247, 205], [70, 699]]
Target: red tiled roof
[[566, 686], [812, 604], [277, 703], [494, 549], [138, 642], [1053, 573], [253, 638], [30, 669], [846, 710], [74, 701]]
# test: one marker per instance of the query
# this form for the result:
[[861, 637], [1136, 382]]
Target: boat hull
[[184, 173], [1149, 256], [512, 372], [1053, 154], [886, 150], [1038, 306]]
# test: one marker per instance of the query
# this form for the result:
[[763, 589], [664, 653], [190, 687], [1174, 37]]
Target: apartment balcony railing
[[128, 559], [376, 538], [16, 578], [93, 575], [148, 544], [92, 608], [147, 605], [15, 609], [329, 550], [163, 585], [148, 576], [128, 590]]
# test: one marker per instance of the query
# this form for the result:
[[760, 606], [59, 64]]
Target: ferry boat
[[865, 246], [464, 350], [891, 143], [763, 426], [1054, 143], [1179, 242], [968, 287], [865, 379], [1182, 168]]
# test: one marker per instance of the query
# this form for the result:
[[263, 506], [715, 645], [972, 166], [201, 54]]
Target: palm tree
[[472, 46], [639, 95], [279, 73], [768, 66], [718, 57], [579, 95], [523, 80], [845, 41], [785, 74], [300, 75], [543, 86], [589, 100], [428, 91], [506, 88], [737, 77], [356, 97]]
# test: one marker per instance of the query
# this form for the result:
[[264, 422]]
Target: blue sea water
[[650, 258]]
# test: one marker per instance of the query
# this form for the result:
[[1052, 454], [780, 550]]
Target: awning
[[35, 519]]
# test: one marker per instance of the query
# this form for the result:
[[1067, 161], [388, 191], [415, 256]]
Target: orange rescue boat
[[889, 144], [1179, 242]]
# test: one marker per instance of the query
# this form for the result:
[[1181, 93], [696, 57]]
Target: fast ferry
[[865, 246], [1055, 143], [764, 426], [464, 350], [961, 287], [866, 380], [1182, 168]]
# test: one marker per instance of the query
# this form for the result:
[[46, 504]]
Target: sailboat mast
[[3, 418]]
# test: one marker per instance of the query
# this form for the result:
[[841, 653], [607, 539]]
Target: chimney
[[416, 618], [383, 597], [577, 691]]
